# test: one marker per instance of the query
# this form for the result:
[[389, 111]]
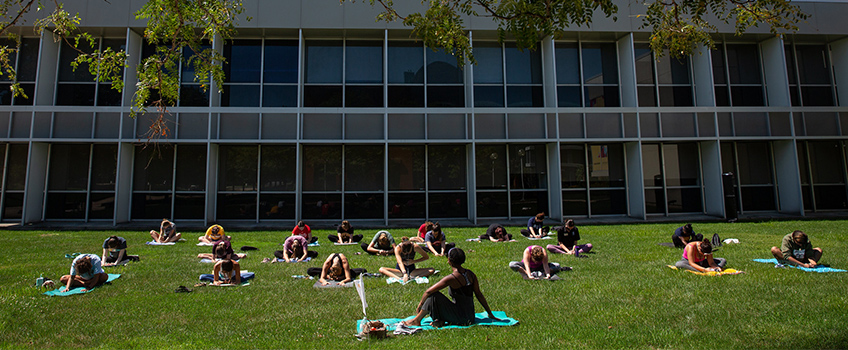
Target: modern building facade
[[329, 115]]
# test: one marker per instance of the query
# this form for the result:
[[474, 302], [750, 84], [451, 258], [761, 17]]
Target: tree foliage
[[677, 26]]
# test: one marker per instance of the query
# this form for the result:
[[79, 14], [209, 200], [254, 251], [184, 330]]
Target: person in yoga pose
[[534, 264], [797, 249], [214, 234], [382, 244], [422, 232], [167, 232], [303, 230], [496, 233], [86, 272], [295, 249], [336, 268], [698, 256], [221, 251], [683, 235], [115, 251], [463, 286], [535, 227], [436, 241], [567, 237], [226, 272], [405, 267], [345, 234]]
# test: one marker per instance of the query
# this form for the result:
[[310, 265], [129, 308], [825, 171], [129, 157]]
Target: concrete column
[[635, 181], [45, 81], [36, 179], [627, 71], [788, 177], [211, 182], [554, 182], [774, 69], [711, 170], [839, 55], [134, 43], [549, 68], [702, 74], [123, 183]]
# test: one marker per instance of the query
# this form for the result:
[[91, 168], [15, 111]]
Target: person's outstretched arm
[[545, 265], [215, 272], [236, 273], [346, 267]]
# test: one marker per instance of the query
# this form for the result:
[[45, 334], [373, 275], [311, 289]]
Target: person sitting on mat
[[405, 267], [345, 234], [382, 244], [422, 232], [303, 230], [683, 235], [463, 286], [436, 241], [295, 249], [86, 272], [214, 234], [535, 227], [698, 256], [336, 268], [797, 249], [222, 250], [567, 237], [167, 232], [535, 259], [115, 251], [496, 233]]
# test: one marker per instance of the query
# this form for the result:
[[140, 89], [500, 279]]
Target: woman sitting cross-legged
[[405, 267], [382, 244], [698, 256], [463, 287], [535, 264], [167, 232], [294, 249], [436, 241], [335, 269], [86, 272], [567, 237], [345, 234]]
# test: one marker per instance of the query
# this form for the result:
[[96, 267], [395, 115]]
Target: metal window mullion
[[344, 170], [727, 74], [258, 183], [773, 176], [174, 179], [582, 83], [385, 183], [503, 76], [261, 76], [88, 183], [586, 147], [426, 179], [508, 185], [809, 169], [656, 84], [3, 180]]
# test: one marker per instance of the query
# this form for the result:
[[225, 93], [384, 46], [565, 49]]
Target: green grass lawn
[[621, 296]]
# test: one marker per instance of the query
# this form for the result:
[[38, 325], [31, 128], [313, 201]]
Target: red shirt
[[305, 231]]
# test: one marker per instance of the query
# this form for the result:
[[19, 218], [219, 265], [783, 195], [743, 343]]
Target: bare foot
[[411, 323]]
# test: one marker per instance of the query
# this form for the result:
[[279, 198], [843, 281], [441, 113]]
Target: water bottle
[[39, 281]]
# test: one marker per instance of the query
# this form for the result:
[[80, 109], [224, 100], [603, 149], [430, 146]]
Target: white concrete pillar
[[635, 182], [123, 183], [788, 176], [711, 170], [627, 71], [774, 69], [702, 75], [45, 81], [554, 182], [36, 180], [839, 57], [211, 182]]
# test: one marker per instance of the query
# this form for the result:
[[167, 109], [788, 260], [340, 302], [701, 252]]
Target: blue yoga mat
[[480, 319], [78, 290], [818, 268]]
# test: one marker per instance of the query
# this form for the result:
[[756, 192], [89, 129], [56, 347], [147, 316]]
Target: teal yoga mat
[[78, 290], [480, 319], [819, 268]]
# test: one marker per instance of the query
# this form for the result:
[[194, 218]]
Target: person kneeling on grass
[[167, 232], [295, 249], [797, 249], [535, 264], [86, 272], [405, 267], [463, 287], [335, 268], [698, 256]]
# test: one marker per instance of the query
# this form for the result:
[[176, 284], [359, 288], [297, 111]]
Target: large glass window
[[407, 170], [523, 72], [737, 75], [444, 80], [446, 169], [25, 62], [752, 163], [192, 93], [78, 87], [243, 74], [587, 74], [568, 75], [15, 167], [279, 73], [348, 74], [406, 74], [169, 182], [672, 176], [810, 83], [604, 193], [81, 184], [664, 82], [823, 163]]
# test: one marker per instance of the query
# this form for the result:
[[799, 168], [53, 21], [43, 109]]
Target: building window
[[444, 80], [243, 73], [169, 182], [737, 75], [587, 74], [753, 164], [81, 184], [407, 173], [823, 162], [665, 82], [78, 87], [604, 192], [672, 176], [25, 62], [810, 83], [14, 158], [406, 74], [522, 70], [279, 73], [359, 84]]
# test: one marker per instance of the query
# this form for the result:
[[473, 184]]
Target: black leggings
[[335, 238], [309, 254], [316, 272], [679, 243]]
